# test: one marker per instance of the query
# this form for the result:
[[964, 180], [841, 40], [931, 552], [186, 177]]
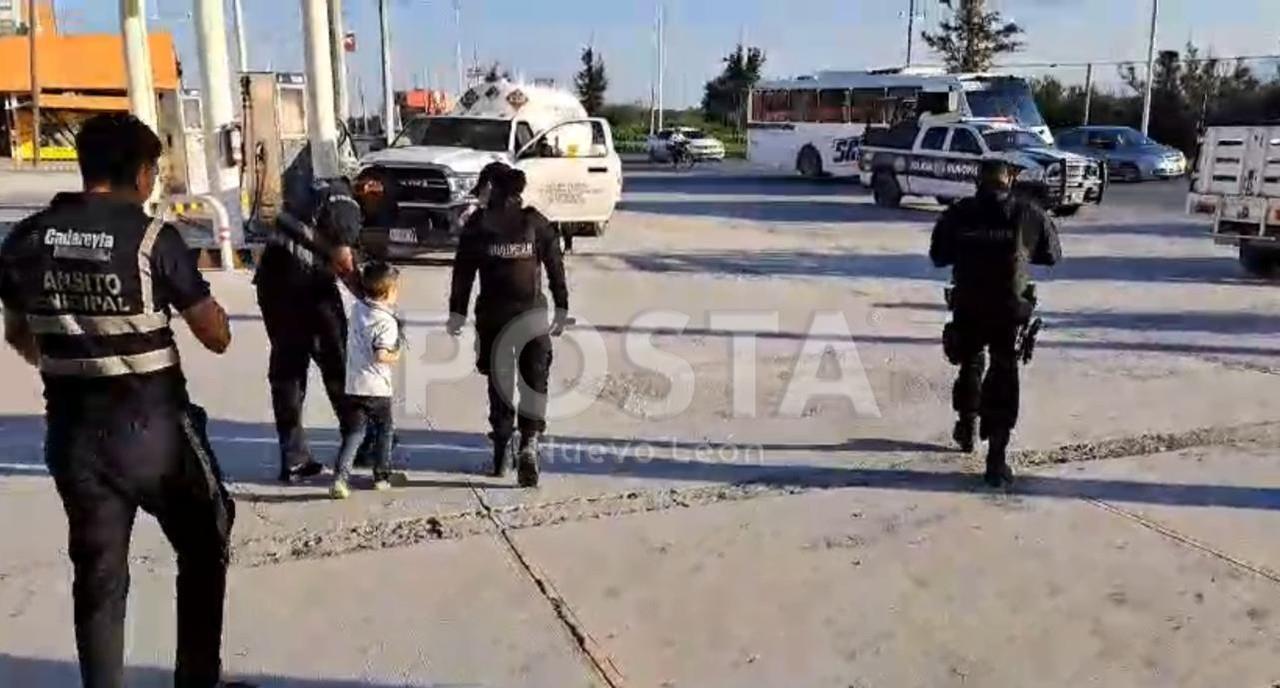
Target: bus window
[[832, 106], [773, 106], [804, 106], [866, 106]]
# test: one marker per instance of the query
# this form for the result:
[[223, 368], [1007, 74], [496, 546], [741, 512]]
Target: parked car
[[1131, 156], [702, 145]]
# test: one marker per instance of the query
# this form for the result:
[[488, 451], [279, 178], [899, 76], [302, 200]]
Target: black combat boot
[[998, 472], [527, 462], [501, 455], [964, 433]]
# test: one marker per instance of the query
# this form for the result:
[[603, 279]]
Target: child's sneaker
[[340, 489], [382, 484]]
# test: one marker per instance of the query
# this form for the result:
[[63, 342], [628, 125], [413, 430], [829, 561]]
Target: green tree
[[725, 97], [972, 39], [592, 82]]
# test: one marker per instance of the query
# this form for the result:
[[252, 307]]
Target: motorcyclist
[[989, 240]]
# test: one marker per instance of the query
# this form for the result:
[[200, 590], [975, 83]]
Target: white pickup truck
[[1236, 182], [940, 157], [415, 193]]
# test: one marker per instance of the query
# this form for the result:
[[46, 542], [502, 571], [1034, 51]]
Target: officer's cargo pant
[[504, 348], [304, 324], [992, 397], [159, 461]]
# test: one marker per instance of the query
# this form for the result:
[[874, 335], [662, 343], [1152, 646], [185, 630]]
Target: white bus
[[814, 125]]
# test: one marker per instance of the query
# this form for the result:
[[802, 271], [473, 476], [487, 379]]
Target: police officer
[[509, 246], [302, 307], [989, 240], [89, 285]]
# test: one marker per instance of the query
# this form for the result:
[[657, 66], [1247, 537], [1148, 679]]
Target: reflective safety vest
[[94, 312]]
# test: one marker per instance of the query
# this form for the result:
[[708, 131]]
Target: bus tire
[[886, 190], [809, 163], [1259, 261]]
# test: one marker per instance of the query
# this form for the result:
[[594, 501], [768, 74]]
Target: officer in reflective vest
[[89, 285], [302, 307]]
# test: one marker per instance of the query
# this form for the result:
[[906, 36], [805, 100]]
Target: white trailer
[[1236, 181]]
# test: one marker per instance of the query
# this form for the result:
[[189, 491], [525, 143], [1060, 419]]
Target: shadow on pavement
[[725, 463], [28, 672], [1208, 322], [740, 184], [771, 210]]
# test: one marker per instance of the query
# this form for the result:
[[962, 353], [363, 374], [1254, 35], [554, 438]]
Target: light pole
[[388, 95], [911, 30], [219, 108], [1151, 68]]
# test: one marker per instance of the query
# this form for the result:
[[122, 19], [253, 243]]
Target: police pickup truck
[[940, 157]]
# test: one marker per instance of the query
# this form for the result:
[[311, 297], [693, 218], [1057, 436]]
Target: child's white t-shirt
[[372, 327]]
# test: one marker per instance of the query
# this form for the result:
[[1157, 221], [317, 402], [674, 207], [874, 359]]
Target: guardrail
[[222, 234]]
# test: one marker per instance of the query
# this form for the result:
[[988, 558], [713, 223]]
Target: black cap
[[490, 174]]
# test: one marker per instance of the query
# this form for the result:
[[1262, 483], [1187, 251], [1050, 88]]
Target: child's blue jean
[[366, 413]]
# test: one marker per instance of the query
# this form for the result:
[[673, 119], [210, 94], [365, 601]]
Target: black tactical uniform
[[989, 240], [509, 246], [302, 307], [97, 281]]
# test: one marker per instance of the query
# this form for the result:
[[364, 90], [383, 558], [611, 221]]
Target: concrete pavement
[[853, 550], [915, 576]]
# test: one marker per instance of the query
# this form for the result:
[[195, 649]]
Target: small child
[[373, 346]]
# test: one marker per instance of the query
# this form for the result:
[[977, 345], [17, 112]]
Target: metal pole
[[321, 121], [911, 30], [1088, 93], [219, 107], [338, 49], [242, 47], [1151, 68], [457, 48], [388, 95], [137, 58], [32, 22], [662, 61]]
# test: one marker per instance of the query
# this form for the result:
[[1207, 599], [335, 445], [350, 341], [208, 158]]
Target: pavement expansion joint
[[590, 650], [1186, 540]]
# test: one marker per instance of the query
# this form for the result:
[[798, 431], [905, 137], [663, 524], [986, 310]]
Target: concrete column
[[242, 48], [337, 38], [219, 108], [137, 59], [321, 122]]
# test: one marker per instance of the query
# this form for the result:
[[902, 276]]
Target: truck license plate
[[404, 236]]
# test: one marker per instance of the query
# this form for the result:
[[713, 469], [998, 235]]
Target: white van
[[416, 192]]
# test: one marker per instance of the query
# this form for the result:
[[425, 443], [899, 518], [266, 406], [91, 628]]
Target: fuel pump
[[274, 134], [180, 129]]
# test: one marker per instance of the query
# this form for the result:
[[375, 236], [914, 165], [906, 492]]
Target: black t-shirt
[[177, 283]]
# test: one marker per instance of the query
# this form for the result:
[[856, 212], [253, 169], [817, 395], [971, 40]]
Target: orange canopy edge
[[82, 62]]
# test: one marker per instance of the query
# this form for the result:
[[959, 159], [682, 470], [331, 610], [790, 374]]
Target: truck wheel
[[595, 229], [885, 190], [809, 163], [1259, 261], [1066, 210]]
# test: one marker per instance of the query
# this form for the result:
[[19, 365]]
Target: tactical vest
[[92, 305]]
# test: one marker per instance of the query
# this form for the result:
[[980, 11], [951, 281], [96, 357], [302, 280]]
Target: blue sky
[[542, 38]]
